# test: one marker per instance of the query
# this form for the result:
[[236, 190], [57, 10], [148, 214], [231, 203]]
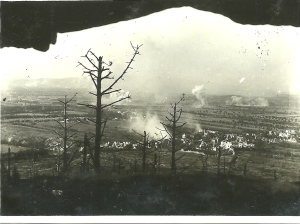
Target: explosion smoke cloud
[[149, 123], [199, 92]]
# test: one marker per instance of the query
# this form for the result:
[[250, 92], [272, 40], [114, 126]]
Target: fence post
[[114, 163], [85, 145], [219, 159], [147, 166], [275, 175], [159, 164], [8, 163], [119, 166], [206, 164], [224, 164], [155, 162]]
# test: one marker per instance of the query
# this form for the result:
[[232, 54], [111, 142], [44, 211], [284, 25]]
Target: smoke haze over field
[[243, 101]]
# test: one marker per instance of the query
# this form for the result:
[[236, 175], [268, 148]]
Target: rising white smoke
[[199, 92], [149, 123], [241, 101], [197, 127], [194, 127], [261, 102], [235, 101]]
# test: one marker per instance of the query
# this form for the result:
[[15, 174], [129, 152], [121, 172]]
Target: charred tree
[[155, 162], [145, 144], [119, 165], [245, 169], [135, 165], [114, 162], [99, 71], [145, 149], [172, 127], [205, 163], [84, 152], [66, 136], [8, 163]]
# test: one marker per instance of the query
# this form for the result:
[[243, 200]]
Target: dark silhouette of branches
[[189, 166], [144, 146], [99, 71], [172, 127], [66, 136]]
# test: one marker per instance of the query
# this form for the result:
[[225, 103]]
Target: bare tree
[[8, 162], [87, 154], [219, 159], [172, 128], [144, 145], [66, 136], [99, 71], [84, 152]]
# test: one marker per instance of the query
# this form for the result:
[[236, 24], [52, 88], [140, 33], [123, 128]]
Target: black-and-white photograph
[[186, 108]]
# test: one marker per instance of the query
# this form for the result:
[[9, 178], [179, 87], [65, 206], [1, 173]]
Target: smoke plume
[[199, 92], [149, 123], [197, 127], [235, 101], [261, 102]]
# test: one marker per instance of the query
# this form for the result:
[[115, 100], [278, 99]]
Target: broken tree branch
[[107, 105]]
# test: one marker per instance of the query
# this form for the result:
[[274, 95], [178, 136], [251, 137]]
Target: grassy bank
[[151, 195]]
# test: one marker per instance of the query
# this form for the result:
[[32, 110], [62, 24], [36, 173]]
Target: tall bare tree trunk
[[119, 166], [114, 163], [65, 136], [173, 165], [97, 77], [135, 164], [159, 163], [98, 118], [174, 125], [8, 162], [219, 160], [85, 145], [144, 151], [224, 165], [155, 162]]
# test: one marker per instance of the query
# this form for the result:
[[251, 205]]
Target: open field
[[225, 119], [13, 148], [260, 164]]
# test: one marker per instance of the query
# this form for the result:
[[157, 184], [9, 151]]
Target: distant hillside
[[64, 83], [84, 85]]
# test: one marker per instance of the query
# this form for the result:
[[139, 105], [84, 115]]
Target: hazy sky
[[182, 48]]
